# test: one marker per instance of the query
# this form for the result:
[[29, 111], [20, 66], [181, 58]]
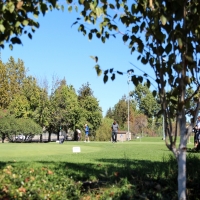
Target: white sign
[[76, 149]]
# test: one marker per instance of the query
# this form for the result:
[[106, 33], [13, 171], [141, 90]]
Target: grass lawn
[[126, 166]]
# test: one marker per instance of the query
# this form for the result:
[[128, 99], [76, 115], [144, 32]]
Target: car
[[20, 137]]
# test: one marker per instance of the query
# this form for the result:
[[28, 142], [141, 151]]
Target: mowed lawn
[[102, 170], [152, 149]]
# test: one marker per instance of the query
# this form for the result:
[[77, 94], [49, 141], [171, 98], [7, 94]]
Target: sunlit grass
[[125, 170]]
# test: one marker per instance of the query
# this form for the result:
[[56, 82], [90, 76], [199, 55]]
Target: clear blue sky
[[58, 50]]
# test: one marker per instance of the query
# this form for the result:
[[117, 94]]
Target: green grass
[[90, 152], [125, 170]]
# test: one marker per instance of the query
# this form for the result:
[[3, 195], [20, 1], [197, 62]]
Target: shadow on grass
[[150, 180]]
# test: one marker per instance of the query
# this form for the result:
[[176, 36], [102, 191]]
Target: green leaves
[[25, 22], [98, 70], [163, 19], [15, 40], [2, 28]]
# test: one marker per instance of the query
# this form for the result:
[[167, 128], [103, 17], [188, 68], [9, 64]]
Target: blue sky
[[59, 50]]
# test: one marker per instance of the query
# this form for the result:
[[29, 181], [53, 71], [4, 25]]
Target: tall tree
[[4, 94], [109, 113], [90, 106], [64, 108], [147, 103]]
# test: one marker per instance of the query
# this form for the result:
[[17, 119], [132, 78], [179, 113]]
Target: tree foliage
[[165, 36], [92, 113], [20, 17]]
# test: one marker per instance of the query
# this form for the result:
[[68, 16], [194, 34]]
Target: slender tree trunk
[[40, 137], [182, 167], [49, 137]]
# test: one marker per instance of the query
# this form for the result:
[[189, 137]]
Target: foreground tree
[[166, 36], [20, 17], [165, 33]]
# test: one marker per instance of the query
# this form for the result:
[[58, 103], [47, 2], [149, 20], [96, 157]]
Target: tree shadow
[[157, 180]]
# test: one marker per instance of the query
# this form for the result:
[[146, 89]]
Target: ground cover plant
[[139, 169]]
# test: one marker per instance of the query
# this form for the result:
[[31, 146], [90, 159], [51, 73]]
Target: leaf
[[2, 28], [180, 43], [90, 36], [144, 61], [103, 39], [112, 6], [189, 58], [114, 16], [113, 77], [70, 8], [74, 23], [121, 73], [35, 15], [11, 7], [148, 83], [125, 38], [163, 20], [168, 48], [98, 35], [69, 1], [25, 22], [105, 78], [15, 40], [94, 58], [111, 70], [154, 93], [98, 70], [11, 46], [106, 72], [138, 58], [17, 24], [29, 35]]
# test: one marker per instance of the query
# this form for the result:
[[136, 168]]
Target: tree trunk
[[182, 168], [40, 137], [49, 137]]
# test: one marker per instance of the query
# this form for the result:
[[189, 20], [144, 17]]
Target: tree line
[[28, 107]]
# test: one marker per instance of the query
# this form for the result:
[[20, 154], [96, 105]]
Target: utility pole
[[129, 79]]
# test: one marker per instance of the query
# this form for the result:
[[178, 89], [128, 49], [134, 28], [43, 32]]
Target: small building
[[123, 136]]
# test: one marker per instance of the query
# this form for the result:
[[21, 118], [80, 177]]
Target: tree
[[120, 111], [166, 36], [19, 17], [109, 113], [10, 126], [4, 99], [12, 76], [147, 103], [103, 133], [91, 110], [64, 108]]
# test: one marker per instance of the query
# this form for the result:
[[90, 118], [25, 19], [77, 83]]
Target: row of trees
[[21, 97], [163, 34]]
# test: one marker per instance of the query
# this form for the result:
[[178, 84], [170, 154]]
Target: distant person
[[78, 134], [114, 129], [195, 131], [197, 135], [86, 127]]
